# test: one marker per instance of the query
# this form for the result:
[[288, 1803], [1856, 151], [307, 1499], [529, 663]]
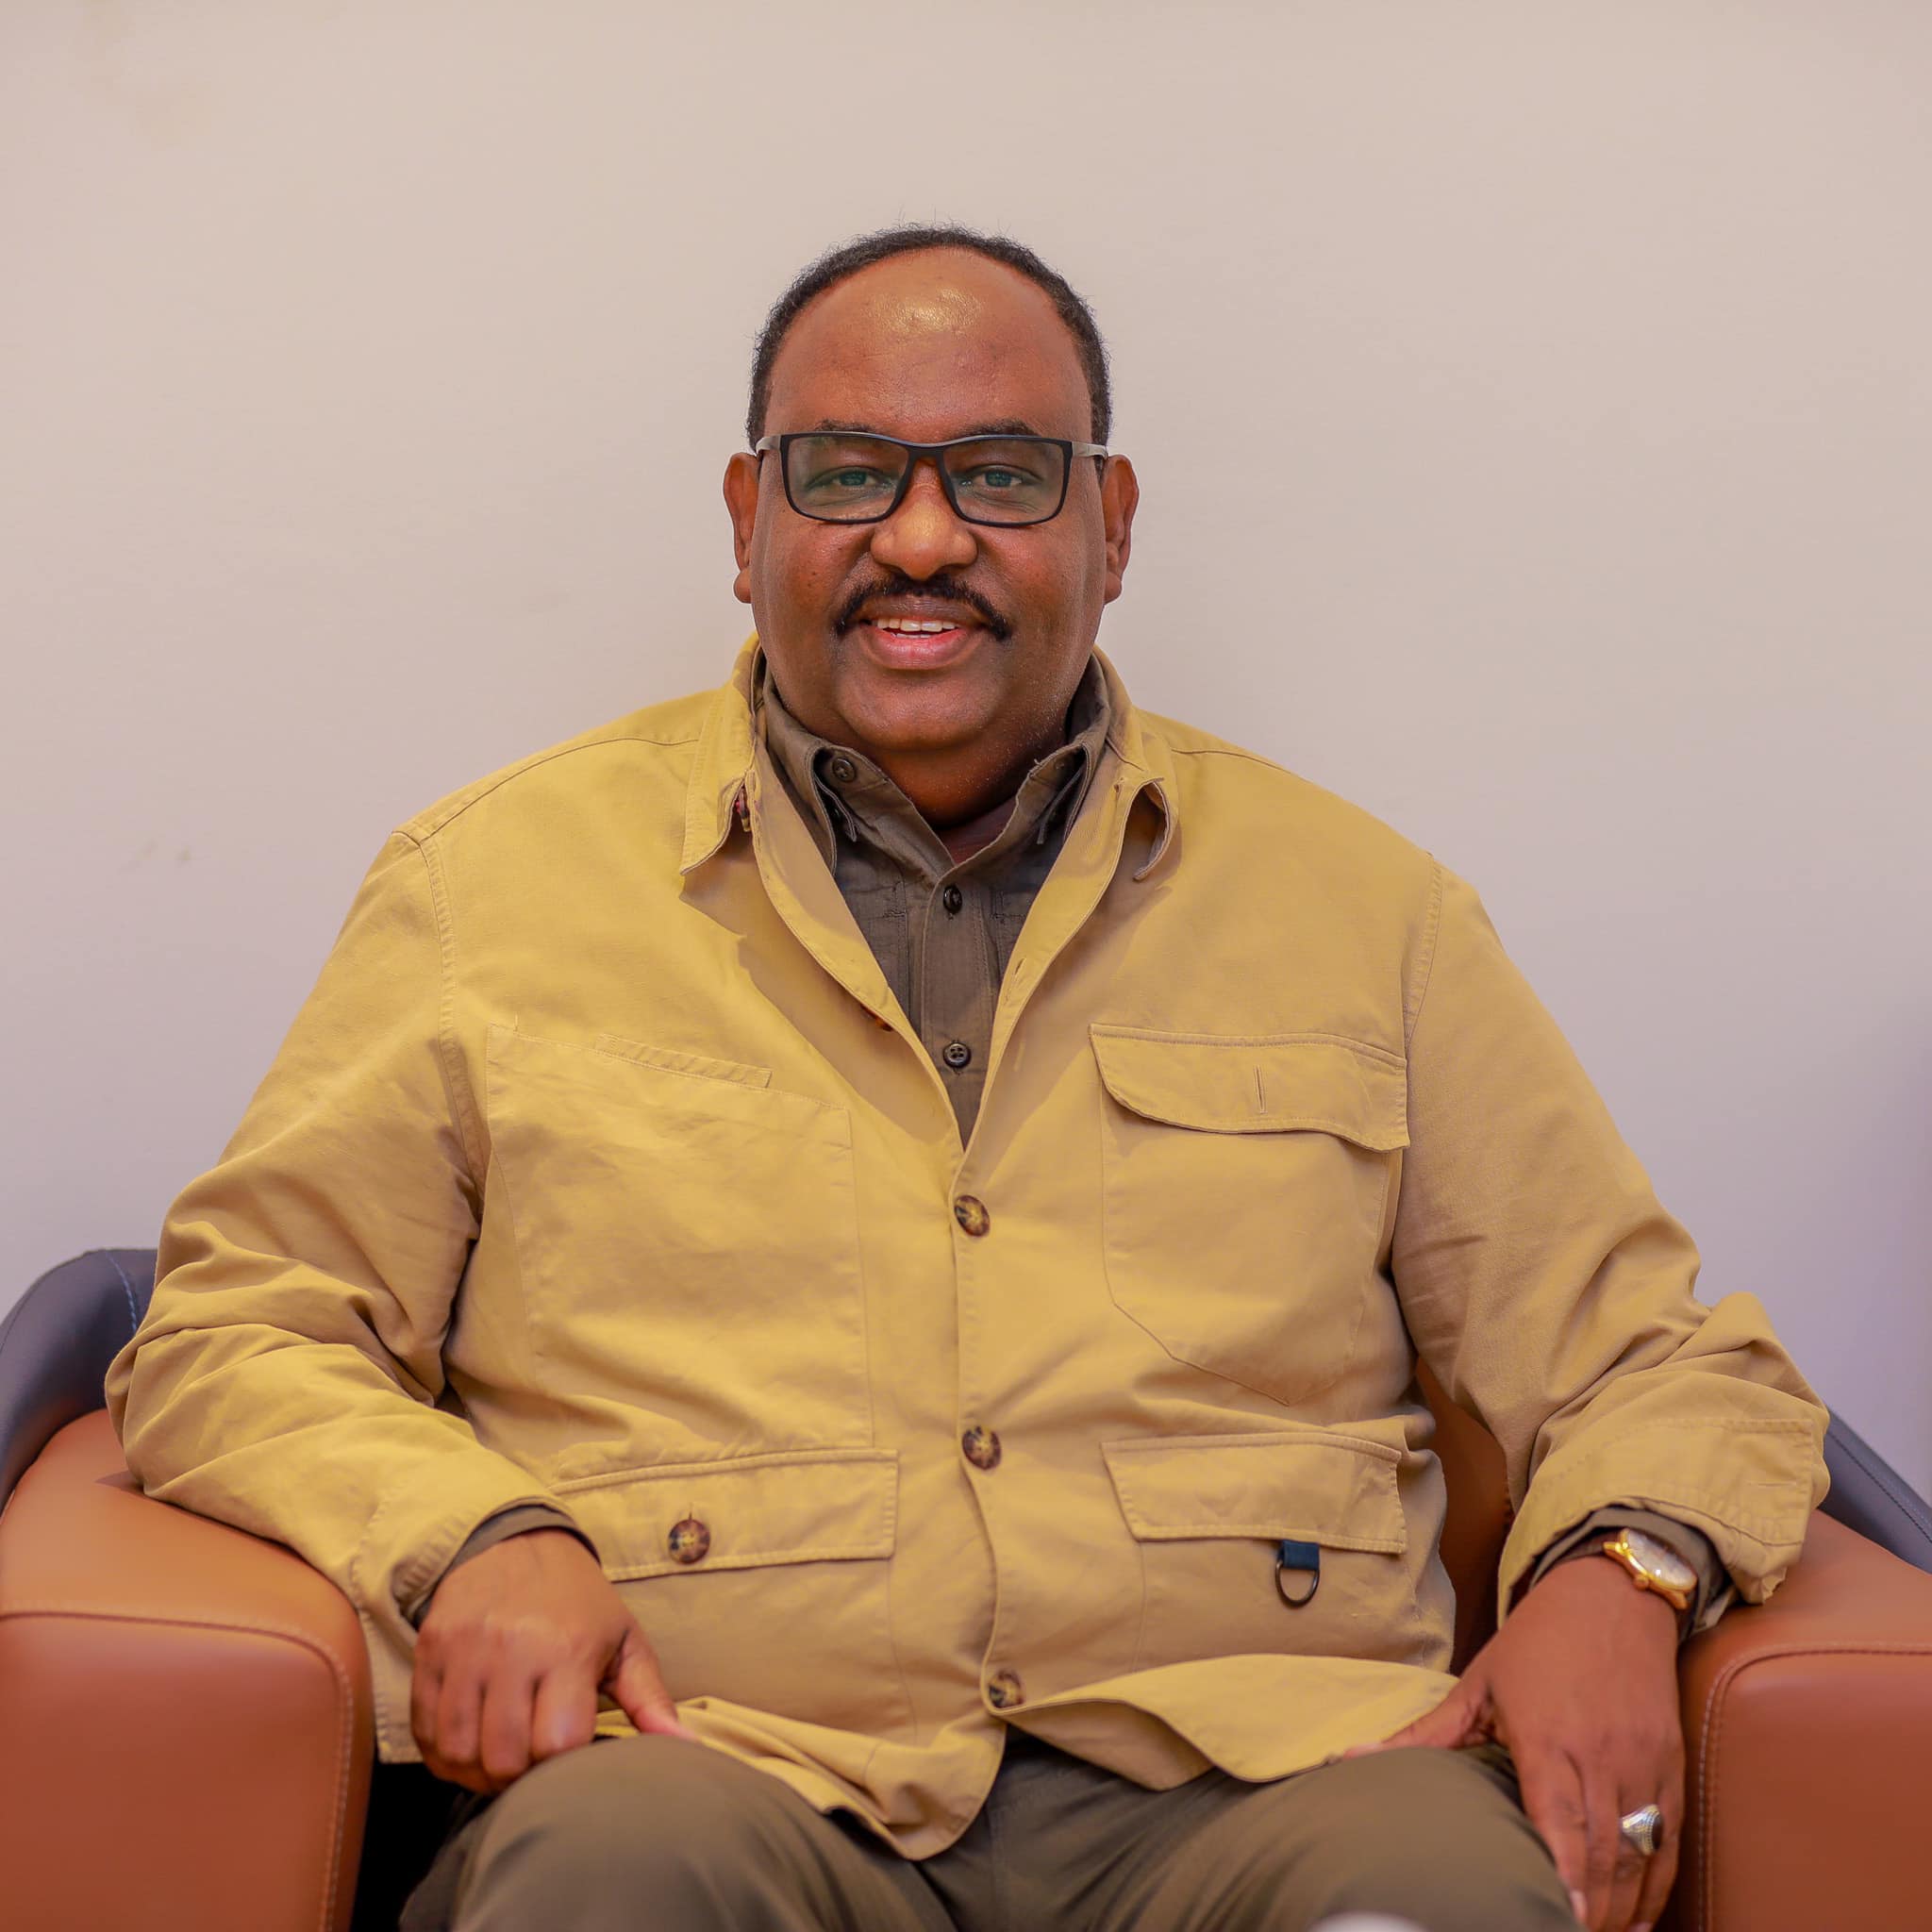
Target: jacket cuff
[[1713, 1593], [1748, 1483], [518, 1519]]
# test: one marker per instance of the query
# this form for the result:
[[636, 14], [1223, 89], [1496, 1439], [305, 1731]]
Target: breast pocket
[[687, 1239], [1246, 1182], [1212, 1514]]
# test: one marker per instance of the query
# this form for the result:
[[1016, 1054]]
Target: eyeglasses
[[844, 477]]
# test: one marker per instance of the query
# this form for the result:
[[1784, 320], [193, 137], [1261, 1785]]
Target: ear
[[742, 478], [1120, 496]]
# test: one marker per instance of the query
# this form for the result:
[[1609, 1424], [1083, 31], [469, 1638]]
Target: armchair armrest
[[1804, 1726], [185, 1717]]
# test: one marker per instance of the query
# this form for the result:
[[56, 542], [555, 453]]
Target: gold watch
[[1653, 1566]]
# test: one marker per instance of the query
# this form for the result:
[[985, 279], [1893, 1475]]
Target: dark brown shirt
[[943, 930]]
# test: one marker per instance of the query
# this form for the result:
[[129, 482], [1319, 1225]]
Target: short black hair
[[846, 260]]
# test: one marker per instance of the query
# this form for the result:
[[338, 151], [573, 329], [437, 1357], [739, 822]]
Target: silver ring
[[1643, 1828]]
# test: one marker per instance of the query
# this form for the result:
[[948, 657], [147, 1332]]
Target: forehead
[[929, 346]]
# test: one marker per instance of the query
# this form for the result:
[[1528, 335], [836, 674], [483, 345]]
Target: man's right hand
[[516, 1645]]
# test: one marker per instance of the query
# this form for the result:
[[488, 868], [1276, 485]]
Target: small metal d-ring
[[1304, 1560]]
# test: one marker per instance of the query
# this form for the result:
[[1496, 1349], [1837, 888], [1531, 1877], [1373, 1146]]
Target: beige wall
[[1531, 402]]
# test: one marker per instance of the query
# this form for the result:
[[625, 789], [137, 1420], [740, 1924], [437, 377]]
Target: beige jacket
[[602, 1169]]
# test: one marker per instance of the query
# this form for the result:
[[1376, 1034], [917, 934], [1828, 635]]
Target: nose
[[922, 537]]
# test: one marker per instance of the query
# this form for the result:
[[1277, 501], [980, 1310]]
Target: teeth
[[921, 624]]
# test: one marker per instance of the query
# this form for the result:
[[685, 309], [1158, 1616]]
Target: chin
[[941, 717]]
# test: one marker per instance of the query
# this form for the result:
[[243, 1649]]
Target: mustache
[[909, 595]]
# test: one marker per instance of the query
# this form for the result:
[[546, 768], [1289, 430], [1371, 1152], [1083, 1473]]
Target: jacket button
[[690, 1542], [982, 1447], [957, 1055], [1003, 1689], [969, 1211], [952, 899], [843, 770]]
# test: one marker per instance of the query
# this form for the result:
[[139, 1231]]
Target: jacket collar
[[722, 765], [727, 750], [1146, 762]]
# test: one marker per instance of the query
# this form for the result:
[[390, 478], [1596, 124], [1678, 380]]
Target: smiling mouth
[[916, 643]]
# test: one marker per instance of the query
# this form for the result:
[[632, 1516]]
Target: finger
[[459, 1722], [1660, 1871], [634, 1682], [1616, 1864], [503, 1731], [1457, 1720], [564, 1715], [1552, 1791], [425, 1688]]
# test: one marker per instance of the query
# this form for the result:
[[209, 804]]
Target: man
[[879, 1223]]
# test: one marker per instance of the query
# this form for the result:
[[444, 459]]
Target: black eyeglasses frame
[[917, 451]]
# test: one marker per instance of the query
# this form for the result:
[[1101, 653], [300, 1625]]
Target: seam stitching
[[1264, 1532], [126, 1288], [746, 1559], [727, 1465], [490, 786], [1432, 927], [455, 1081], [1161, 1036]]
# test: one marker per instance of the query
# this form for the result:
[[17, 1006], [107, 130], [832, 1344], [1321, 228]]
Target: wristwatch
[[1653, 1566]]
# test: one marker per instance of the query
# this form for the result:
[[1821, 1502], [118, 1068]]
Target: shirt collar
[[844, 794], [727, 742]]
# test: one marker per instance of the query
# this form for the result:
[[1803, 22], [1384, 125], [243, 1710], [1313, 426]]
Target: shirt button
[[690, 1542], [982, 1447], [970, 1212], [1003, 1689], [843, 770], [957, 1055], [952, 899]]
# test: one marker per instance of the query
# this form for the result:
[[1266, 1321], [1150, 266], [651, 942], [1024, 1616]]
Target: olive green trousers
[[654, 1834]]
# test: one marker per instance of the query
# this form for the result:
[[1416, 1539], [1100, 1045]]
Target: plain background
[[1530, 401]]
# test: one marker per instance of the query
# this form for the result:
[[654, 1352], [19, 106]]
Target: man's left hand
[[1582, 1684]]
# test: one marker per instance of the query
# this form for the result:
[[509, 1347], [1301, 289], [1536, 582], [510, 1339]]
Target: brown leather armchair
[[185, 1731]]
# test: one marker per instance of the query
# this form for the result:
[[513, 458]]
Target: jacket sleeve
[[1551, 1293], [288, 1378]]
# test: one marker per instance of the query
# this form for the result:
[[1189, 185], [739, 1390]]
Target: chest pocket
[[1246, 1182], [687, 1239]]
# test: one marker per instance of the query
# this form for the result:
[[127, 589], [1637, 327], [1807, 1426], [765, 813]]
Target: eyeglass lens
[[995, 479]]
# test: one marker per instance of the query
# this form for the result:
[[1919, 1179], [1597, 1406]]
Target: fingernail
[[1648, 1926], [1580, 1906]]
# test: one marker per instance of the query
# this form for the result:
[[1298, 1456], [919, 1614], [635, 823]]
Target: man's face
[[926, 347]]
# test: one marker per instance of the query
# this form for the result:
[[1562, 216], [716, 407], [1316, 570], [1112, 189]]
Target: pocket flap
[[1225, 1084], [823, 1506], [1307, 1485]]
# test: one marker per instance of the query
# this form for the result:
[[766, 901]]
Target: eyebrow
[[1010, 425]]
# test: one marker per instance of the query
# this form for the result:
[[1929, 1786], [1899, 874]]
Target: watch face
[[1661, 1560]]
